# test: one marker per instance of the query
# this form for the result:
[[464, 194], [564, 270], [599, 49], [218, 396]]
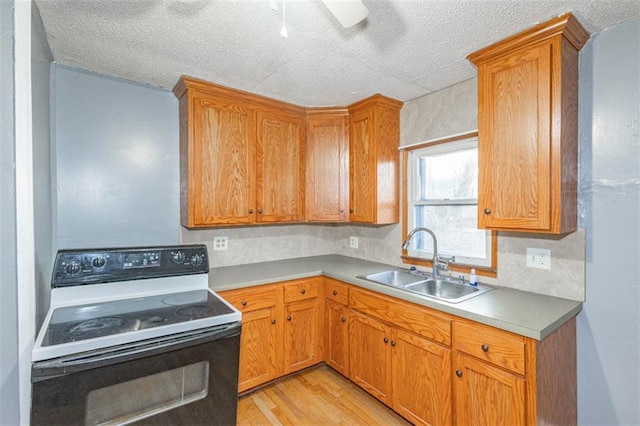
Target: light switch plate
[[220, 243], [539, 258]]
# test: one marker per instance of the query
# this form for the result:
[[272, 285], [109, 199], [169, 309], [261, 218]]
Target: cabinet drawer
[[252, 298], [498, 347], [303, 289], [417, 319], [336, 291]]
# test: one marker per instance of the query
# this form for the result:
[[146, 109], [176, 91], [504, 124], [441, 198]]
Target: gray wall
[[117, 162], [609, 325], [42, 183], [9, 377]]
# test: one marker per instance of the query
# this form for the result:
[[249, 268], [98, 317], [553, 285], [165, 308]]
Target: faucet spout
[[436, 263]]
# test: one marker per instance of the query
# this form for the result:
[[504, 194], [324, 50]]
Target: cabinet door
[[280, 167], [486, 395], [301, 335], [259, 359], [515, 140], [362, 176], [421, 377], [327, 177], [336, 346], [219, 186], [370, 355]]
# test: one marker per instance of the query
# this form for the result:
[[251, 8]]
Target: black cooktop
[[82, 322]]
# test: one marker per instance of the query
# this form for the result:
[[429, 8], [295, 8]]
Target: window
[[442, 195]]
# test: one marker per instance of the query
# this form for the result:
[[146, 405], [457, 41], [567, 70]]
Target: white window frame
[[436, 148]]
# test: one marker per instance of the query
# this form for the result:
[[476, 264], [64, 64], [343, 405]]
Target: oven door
[[190, 378]]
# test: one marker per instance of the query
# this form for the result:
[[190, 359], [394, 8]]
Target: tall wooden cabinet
[[327, 162], [374, 136], [241, 157], [528, 129]]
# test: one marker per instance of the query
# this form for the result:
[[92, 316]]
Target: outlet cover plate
[[539, 258], [220, 243], [353, 242]]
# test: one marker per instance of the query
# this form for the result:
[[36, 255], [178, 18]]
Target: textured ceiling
[[404, 49]]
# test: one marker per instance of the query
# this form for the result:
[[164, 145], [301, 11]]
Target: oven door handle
[[44, 370]]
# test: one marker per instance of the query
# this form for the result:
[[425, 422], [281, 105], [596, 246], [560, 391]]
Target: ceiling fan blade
[[347, 12]]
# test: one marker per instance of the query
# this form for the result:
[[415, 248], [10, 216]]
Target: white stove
[[109, 297]]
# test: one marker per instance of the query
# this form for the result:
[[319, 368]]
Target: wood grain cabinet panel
[[327, 165], [528, 129], [336, 336], [302, 344], [374, 136], [280, 167]]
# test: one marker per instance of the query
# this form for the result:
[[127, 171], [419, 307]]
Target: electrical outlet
[[220, 243], [539, 258], [353, 242]]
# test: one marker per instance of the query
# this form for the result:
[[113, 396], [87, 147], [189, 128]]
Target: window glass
[[443, 190]]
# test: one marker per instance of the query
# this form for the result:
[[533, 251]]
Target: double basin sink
[[446, 289]]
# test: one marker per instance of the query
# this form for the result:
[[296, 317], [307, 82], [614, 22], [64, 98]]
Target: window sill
[[457, 267]]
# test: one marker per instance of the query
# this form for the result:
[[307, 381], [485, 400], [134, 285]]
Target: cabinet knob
[[244, 303], [487, 211], [458, 373], [341, 210], [343, 319], [394, 343], [303, 291], [485, 348], [273, 321], [289, 318], [350, 210], [250, 211], [335, 292], [260, 211], [386, 340]]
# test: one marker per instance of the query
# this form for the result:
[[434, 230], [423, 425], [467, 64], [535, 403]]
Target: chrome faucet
[[439, 263]]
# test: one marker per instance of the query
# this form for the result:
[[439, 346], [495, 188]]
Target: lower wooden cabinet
[[259, 359], [302, 335], [336, 336]]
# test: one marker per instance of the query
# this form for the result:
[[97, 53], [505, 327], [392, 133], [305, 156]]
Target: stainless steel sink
[[395, 278], [438, 288]]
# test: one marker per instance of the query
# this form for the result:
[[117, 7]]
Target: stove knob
[[177, 256], [99, 262], [196, 259], [73, 268]]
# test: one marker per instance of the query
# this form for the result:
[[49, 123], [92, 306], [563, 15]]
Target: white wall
[[9, 375], [609, 325]]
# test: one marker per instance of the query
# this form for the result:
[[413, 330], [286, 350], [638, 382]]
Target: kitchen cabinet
[[302, 341], [403, 369], [261, 337], [280, 329], [327, 165], [241, 157], [528, 129], [336, 326], [374, 135], [503, 378]]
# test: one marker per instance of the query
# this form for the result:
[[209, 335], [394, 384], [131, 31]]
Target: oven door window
[[130, 401]]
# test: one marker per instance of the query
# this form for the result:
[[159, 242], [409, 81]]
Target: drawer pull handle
[[273, 321], [343, 319], [386, 340], [394, 343], [244, 303], [289, 318], [303, 291], [335, 292], [458, 373], [485, 348]]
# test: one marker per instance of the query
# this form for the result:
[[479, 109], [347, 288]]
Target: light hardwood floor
[[318, 396]]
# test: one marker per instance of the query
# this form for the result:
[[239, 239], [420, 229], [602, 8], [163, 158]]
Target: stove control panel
[[92, 266]]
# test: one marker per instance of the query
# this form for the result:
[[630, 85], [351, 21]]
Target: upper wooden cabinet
[[327, 157], [528, 129], [374, 136], [241, 157]]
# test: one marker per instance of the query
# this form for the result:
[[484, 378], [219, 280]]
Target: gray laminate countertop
[[528, 314]]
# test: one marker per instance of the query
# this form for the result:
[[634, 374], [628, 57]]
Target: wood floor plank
[[317, 396]]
